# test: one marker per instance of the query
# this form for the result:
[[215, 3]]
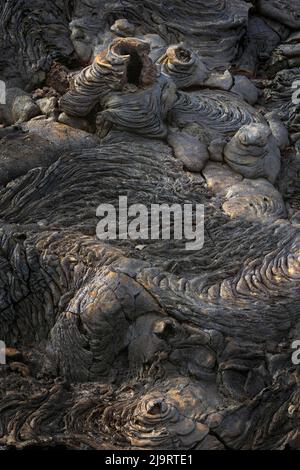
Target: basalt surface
[[142, 344]]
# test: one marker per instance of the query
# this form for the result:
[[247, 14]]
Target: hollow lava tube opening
[[134, 69], [135, 64], [183, 54]]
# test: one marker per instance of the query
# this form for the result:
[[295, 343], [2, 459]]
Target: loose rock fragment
[[19, 107], [188, 149]]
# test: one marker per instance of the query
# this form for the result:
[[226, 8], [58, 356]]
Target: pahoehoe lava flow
[[131, 344]]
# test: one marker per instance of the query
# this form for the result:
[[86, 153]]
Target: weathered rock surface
[[20, 152], [254, 199], [62, 136], [19, 107], [245, 89], [253, 152], [142, 344], [188, 149]]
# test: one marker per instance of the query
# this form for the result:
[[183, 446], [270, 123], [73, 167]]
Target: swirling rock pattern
[[283, 11], [142, 344], [278, 96], [201, 30], [110, 71], [219, 113], [184, 67], [32, 35]]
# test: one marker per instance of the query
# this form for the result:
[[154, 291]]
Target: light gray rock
[[219, 177], [62, 136], [216, 150], [85, 36], [157, 44], [188, 149], [187, 69], [47, 106], [219, 80], [278, 129], [76, 122], [245, 89], [123, 28], [19, 107], [183, 66], [254, 153], [254, 199]]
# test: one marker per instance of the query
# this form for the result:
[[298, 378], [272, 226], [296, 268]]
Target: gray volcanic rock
[[77, 123], [278, 96], [21, 152], [146, 343], [62, 136], [142, 111], [219, 113], [47, 106], [253, 152], [89, 295], [19, 107], [38, 144], [26, 58], [262, 38], [188, 149], [283, 11], [278, 129], [184, 67], [219, 177], [254, 199], [200, 30], [245, 89]]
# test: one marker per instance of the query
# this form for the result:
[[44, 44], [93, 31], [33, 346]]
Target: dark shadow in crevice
[[134, 69]]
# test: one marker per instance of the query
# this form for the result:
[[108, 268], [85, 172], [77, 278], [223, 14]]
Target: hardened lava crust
[[130, 344]]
